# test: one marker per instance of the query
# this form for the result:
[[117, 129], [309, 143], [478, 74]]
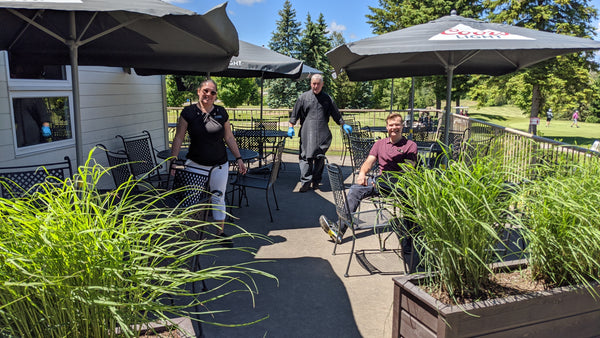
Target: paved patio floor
[[312, 298]]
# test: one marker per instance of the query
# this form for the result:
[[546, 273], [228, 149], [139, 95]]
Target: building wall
[[113, 102]]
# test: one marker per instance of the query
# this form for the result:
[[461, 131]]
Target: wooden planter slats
[[560, 312]]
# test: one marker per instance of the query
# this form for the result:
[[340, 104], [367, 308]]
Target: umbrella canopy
[[132, 33], [252, 61], [451, 45]]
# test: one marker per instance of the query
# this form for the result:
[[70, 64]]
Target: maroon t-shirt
[[389, 154]]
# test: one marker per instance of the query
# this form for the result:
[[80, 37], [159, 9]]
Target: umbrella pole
[[449, 74], [73, 52], [392, 97], [262, 80], [412, 108]]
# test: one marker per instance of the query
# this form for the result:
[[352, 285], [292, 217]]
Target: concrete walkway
[[312, 298]]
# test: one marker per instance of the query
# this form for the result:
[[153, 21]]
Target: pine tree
[[285, 40], [313, 46]]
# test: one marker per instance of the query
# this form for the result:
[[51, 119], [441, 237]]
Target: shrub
[[460, 212], [592, 119], [78, 262], [562, 225]]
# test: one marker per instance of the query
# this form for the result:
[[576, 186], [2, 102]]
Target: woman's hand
[[242, 167]]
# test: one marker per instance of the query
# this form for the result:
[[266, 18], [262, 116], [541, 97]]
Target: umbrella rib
[[108, 31], [35, 24], [507, 59]]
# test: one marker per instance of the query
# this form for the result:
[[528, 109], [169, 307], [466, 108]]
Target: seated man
[[389, 152]]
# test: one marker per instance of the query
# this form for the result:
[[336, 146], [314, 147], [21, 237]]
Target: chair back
[[189, 184], [359, 151], [21, 180], [140, 153], [336, 180], [267, 125], [252, 139], [276, 163], [119, 165]]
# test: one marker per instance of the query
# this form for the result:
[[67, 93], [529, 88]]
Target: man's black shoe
[[305, 187]]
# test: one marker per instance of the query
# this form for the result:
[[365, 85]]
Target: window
[[40, 99], [40, 120]]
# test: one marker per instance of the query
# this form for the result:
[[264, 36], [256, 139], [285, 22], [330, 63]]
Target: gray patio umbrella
[[451, 45], [131, 33], [252, 61]]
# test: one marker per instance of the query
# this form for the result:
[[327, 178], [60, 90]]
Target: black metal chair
[[353, 220], [251, 139], [359, 151], [249, 181], [20, 181], [142, 158], [345, 141], [189, 187], [119, 165]]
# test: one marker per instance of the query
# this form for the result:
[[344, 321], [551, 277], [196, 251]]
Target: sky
[[255, 20]]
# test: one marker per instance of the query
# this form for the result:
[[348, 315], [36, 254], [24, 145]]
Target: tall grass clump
[[563, 224], [460, 213], [77, 262]]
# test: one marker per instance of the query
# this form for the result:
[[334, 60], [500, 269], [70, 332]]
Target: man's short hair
[[317, 77], [393, 116]]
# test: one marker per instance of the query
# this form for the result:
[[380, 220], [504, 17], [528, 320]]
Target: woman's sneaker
[[330, 228]]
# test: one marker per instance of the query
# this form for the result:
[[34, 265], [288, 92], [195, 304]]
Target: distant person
[[575, 117], [32, 121], [314, 108], [549, 116], [209, 129]]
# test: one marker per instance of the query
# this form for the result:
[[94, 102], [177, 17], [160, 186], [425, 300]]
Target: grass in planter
[[76, 262], [461, 212], [563, 225]]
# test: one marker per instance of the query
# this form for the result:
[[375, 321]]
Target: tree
[[234, 92], [181, 89], [285, 40], [314, 44], [562, 83]]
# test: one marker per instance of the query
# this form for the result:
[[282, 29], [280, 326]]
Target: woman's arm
[[233, 147], [179, 135]]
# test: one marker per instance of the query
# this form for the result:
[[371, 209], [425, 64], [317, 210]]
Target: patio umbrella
[[132, 33], [451, 45], [252, 61]]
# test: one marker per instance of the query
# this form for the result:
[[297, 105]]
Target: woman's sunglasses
[[207, 91]]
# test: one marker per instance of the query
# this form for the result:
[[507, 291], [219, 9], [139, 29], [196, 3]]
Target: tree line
[[564, 83]]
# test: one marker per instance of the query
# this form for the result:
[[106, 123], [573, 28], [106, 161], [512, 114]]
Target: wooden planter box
[[561, 312]]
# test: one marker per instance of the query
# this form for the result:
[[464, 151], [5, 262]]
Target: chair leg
[[351, 254], [268, 206], [275, 197]]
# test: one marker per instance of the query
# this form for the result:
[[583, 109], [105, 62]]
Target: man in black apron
[[314, 108]]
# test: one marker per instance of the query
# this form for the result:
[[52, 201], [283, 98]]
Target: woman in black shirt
[[209, 130]]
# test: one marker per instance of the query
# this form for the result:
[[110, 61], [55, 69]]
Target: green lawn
[[560, 130]]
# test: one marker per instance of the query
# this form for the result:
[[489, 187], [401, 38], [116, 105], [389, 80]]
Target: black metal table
[[259, 133], [246, 154]]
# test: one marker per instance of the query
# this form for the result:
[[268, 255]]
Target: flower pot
[[560, 312]]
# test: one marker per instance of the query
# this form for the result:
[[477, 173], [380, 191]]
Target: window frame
[[24, 88]]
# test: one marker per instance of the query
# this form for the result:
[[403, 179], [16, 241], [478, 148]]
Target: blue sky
[[255, 19]]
